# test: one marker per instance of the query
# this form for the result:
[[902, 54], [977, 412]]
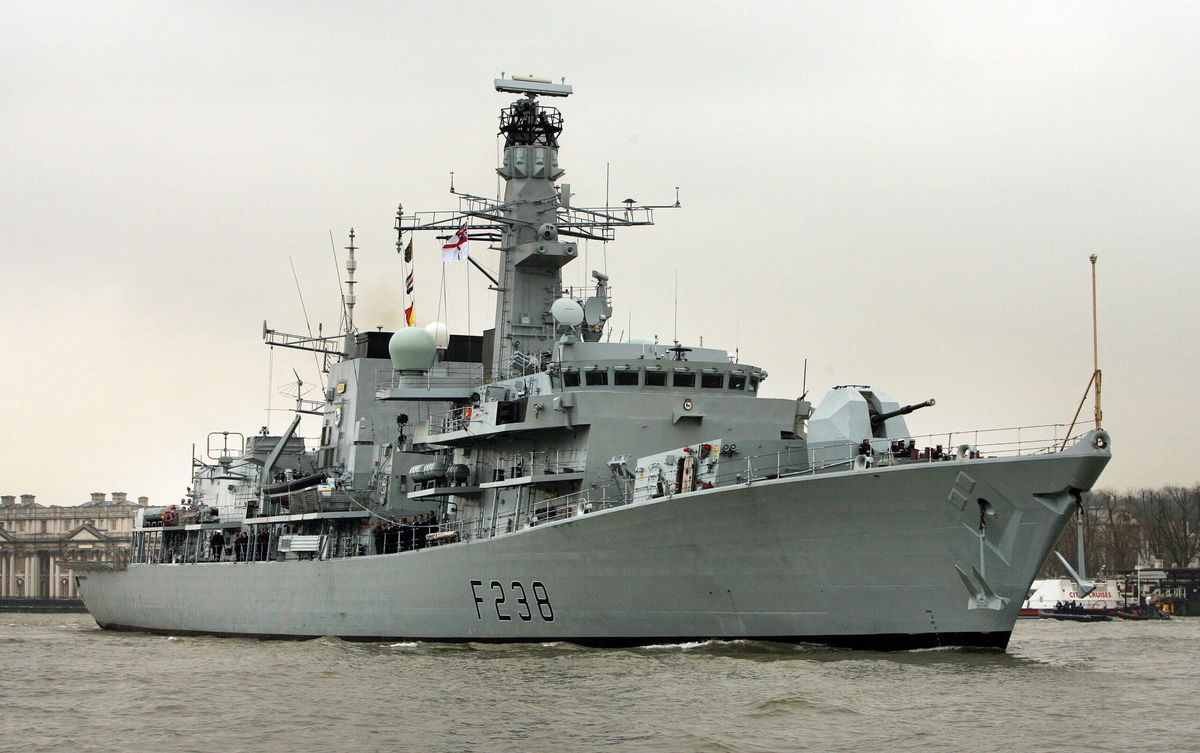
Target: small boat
[[1074, 616], [1146, 613], [1106, 597]]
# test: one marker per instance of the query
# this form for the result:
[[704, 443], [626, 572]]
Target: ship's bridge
[[583, 365]]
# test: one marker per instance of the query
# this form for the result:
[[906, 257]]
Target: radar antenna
[[534, 225], [297, 390]]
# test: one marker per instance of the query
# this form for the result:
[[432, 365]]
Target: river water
[[66, 685]]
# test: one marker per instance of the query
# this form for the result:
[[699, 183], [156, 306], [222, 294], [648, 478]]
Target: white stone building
[[36, 539]]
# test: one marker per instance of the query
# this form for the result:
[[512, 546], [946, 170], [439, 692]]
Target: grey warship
[[542, 482]]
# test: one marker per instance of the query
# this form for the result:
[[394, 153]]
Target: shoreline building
[[36, 539]]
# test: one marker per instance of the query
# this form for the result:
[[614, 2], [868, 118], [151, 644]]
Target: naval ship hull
[[886, 558]]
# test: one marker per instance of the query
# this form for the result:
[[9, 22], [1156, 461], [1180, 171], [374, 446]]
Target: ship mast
[[533, 255], [528, 225], [351, 265], [1095, 346]]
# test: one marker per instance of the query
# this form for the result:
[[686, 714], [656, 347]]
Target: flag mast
[[1095, 346], [1095, 380]]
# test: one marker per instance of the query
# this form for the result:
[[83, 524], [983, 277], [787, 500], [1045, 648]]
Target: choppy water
[[66, 685]]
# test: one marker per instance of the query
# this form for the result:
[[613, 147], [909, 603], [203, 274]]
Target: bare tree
[[1170, 521], [1115, 535]]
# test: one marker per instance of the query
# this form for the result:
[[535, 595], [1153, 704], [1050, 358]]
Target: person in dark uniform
[[216, 544], [865, 449], [391, 536], [377, 534], [263, 540], [406, 535], [420, 528], [239, 546]]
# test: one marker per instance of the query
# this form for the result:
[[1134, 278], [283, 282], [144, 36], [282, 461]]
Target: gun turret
[[878, 418]]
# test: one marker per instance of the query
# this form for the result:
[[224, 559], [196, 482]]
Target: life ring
[[168, 517]]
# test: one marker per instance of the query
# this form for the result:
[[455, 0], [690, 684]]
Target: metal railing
[[548, 462], [149, 546], [439, 376], [736, 470], [444, 422]]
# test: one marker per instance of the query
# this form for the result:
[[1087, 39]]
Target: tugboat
[[545, 482]]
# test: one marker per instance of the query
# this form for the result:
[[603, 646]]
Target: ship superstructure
[[541, 482]]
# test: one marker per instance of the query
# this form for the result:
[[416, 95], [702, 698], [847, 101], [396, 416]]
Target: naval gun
[[879, 418]]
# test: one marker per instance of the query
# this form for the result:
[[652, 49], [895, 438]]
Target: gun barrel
[[878, 418]]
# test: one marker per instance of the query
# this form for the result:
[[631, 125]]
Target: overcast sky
[[905, 194]]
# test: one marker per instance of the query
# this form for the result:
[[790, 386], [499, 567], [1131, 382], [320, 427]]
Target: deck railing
[[964, 447]]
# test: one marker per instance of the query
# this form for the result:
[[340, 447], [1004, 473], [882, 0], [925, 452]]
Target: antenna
[[338, 272], [1095, 346], [675, 337], [351, 265]]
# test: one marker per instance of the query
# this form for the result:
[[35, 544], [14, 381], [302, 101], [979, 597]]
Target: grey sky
[[906, 194]]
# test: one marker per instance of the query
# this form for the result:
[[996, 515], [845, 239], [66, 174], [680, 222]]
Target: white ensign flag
[[455, 247]]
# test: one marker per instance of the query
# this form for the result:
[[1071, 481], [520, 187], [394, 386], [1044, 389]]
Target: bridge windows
[[654, 375], [683, 379], [656, 379], [625, 378], [597, 378]]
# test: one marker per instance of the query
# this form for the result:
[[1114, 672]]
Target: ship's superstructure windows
[[712, 381], [571, 379], [656, 379], [683, 379], [597, 378], [753, 383], [625, 378], [737, 382]]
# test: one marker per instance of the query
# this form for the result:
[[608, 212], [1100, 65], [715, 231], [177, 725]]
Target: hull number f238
[[512, 600]]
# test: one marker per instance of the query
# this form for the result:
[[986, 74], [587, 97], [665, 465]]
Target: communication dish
[[567, 312]]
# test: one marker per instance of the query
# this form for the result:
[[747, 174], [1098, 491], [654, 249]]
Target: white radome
[[412, 349], [441, 334], [567, 312]]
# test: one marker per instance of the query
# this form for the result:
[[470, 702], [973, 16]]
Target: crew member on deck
[[865, 449], [216, 544], [405, 535]]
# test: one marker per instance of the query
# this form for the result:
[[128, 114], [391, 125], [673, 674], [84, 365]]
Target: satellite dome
[[641, 341], [412, 349], [567, 312], [441, 334]]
